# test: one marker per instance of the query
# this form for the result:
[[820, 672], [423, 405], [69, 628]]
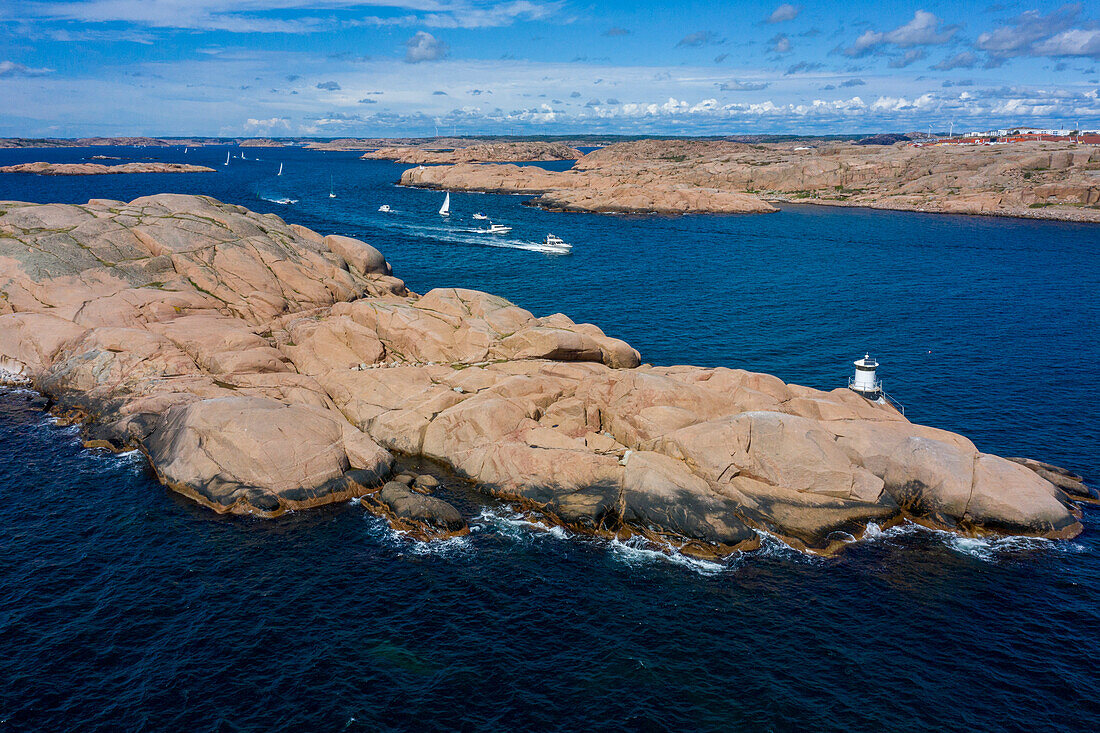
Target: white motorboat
[[445, 209], [284, 200], [497, 229], [556, 243], [480, 217], [385, 208]]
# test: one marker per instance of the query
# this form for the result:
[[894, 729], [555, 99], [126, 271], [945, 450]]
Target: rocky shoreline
[[263, 368], [428, 154], [97, 169], [1037, 180]]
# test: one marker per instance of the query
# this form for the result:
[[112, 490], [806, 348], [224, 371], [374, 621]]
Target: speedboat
[[497, 229], [557, 243], [385, 208], [480, 217], [284, 200]]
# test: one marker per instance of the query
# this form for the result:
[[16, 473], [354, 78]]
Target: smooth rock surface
[[264, 367]]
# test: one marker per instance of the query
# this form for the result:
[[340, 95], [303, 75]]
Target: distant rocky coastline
[[479, 153], [1032, 180], [262, 367], [96, 169]]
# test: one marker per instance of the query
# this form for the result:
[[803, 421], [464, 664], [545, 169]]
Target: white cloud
[[266, 127], [255, 16], [780, 43], [925, 29], [1020, 34], [1075, 42], [424, 47], [10, 68], [784, 12]]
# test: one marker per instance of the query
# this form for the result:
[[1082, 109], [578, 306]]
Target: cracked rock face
[[263, 367]]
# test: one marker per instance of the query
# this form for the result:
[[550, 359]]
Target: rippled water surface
[[126, 607]]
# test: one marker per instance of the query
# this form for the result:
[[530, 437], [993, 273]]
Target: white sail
[[280, 170], [331, 190], [445, 210], [226, 157]]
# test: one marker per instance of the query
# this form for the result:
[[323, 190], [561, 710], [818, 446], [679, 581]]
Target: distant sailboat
[[226, 158], [242, 156], [280, 170], [331, 191], [185, 151], [445, 209]]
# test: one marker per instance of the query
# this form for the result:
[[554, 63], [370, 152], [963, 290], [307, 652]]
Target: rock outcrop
[[585, 192], [429, 153], [1033, 179], [262, 367], [96, 169]]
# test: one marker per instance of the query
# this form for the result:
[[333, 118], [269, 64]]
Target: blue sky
[[411, 67]]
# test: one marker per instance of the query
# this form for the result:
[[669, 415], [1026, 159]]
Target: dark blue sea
[[124, 607]]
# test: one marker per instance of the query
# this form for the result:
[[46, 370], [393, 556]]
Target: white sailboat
[[280, 170], [331, 191], [445, 209], [185, 151], [242, 156], [226, 158]]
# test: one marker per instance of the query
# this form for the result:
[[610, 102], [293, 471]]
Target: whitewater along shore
[[1038, 180], [262, 367], [96, 169]]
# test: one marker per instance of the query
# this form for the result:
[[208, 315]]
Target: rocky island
[[1046, 180], [263, 367], [433, 153], [97, 169]]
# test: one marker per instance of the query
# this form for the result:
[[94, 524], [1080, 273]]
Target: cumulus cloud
[[784, 12], [780, 43], [1076, 42], [964, 60], [266, 127], [424, 47], [1019, 36], [329, 86], [10, 69], [852, 83], [743, 86], [925, 29], [699, 38]]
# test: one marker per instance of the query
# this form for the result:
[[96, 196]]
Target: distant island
[[1032, 179], [262, 367], [96, 169]]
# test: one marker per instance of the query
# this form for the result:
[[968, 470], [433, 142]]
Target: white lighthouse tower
[[864, 381]]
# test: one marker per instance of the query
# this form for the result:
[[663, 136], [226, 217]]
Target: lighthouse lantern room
[[864, 381]]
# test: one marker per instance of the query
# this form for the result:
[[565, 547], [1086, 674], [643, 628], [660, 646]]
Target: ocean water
[[125, 607]]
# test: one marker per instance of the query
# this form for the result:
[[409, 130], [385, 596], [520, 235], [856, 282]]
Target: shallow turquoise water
[[123, 606]]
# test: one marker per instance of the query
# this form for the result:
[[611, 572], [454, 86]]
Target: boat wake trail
[[471, 236]]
